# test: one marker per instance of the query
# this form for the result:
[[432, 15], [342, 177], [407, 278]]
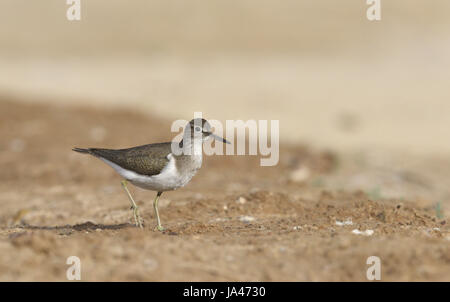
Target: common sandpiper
[[157, 167]]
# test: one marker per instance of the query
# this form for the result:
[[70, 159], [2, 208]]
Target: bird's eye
[[197, 129]]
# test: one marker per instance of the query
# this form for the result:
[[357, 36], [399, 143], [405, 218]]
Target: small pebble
[[346, 222], [365, 233], [247, 219], [241, 200], [300, 175]]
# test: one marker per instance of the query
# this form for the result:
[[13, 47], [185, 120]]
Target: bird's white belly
[[169, 179]]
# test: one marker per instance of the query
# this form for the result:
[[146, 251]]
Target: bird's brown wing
[[145, 160]]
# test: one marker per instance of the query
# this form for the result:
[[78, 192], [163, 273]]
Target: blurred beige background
[[332, 78]]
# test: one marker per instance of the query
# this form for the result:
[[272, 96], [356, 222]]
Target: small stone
[[247, 219], [346, 222], [241, 200], [218, 219], [365, 233], [300, 175]]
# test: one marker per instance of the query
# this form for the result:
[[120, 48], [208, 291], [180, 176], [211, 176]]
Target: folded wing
[[145, 160]]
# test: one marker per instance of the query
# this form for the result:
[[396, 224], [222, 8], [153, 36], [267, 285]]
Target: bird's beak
[[218, 138]]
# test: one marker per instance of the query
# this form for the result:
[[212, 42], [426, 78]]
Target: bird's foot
[[160, 228], [137, 218]]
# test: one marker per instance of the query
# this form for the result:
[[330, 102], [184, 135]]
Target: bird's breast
[[178, 172]]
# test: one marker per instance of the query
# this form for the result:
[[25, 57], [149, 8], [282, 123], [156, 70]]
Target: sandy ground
[[55, 203]]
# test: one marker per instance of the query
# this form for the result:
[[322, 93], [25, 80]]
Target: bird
[[158, 167]]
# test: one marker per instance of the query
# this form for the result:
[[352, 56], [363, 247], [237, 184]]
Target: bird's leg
[[159, 227], [137, 218]]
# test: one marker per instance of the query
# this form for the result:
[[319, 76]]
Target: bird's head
[[200, 128]]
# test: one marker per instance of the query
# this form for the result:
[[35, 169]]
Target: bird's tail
[[81, 150]]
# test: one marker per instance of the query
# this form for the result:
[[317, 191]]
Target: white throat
[[192, 146]]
